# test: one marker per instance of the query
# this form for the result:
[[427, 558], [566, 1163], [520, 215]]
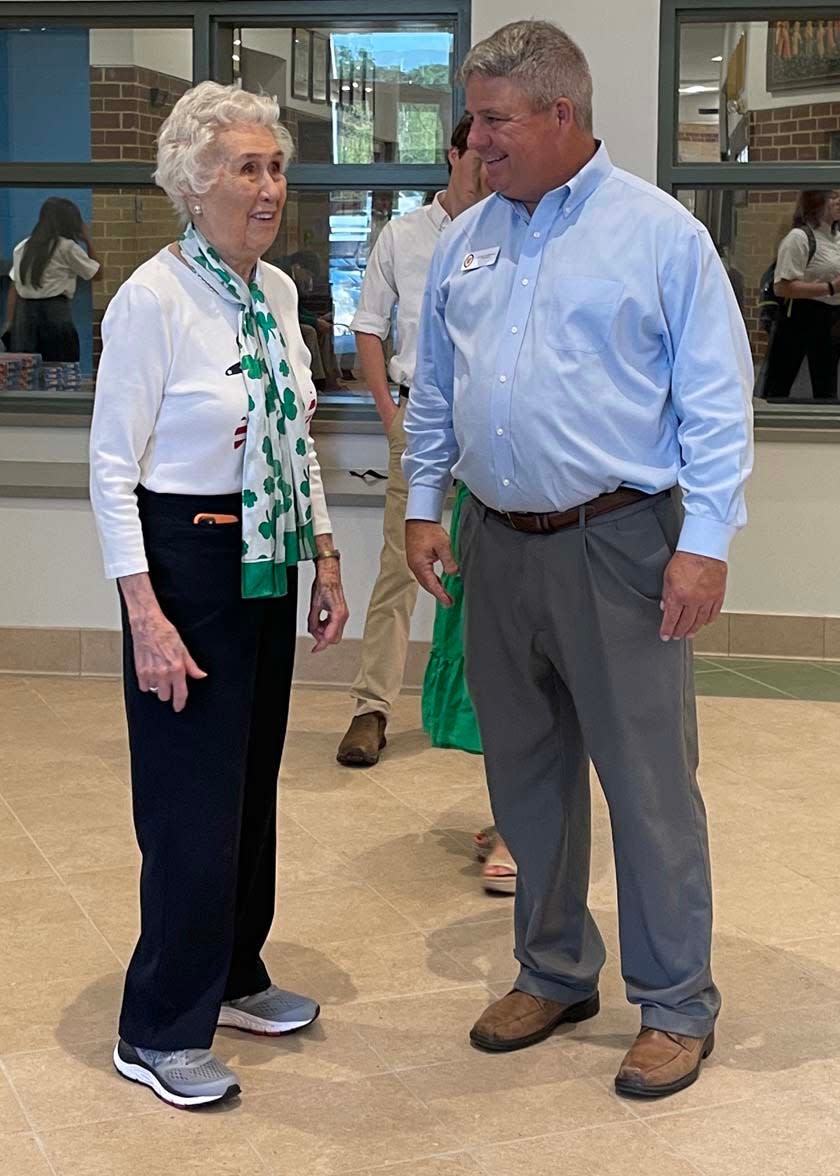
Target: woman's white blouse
[[170, 413]]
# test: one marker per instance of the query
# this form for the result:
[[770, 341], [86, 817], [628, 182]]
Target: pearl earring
[[197, 209]]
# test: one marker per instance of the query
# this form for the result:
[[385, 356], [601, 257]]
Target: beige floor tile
[[10, 826], [21, 858], [51, 777], [331, 1127], [110, 898], [451, 898], [23, 1157], [619, 1149], [35, 902], [69, 811], [159, 1142], [771, 1136], [363, 817], [751, 976], [409, 1031], [425, 857], [41, 1013], [89, 849], [366, 969], [12, 1118], [495, 1098], [305, 863], [69, 1086], [57, 950], [328, 1051], [454, 1164], [336, 913], [483, 947]]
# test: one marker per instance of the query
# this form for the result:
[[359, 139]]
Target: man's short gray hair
[[186, 158], [541, 59]]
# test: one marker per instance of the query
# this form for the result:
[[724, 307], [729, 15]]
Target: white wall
[[621, 40], [168, 51]]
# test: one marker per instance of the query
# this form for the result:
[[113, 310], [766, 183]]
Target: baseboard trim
[[97, 652]]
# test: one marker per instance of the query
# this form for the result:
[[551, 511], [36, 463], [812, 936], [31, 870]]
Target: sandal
[[484, 842], [499, 883]]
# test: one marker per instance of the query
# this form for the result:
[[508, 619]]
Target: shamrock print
[[248, 498], [300, 447]]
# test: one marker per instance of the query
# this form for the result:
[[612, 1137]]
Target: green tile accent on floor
[[733, 677]]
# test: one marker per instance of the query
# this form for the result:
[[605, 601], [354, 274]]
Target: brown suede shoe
[[520, 1019], [363, 742], [660, 1063]]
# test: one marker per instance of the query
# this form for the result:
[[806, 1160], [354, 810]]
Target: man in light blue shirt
[[581, 353]]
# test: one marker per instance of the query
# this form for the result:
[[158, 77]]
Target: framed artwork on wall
[[301, 63], [803, 54], [320, 69]]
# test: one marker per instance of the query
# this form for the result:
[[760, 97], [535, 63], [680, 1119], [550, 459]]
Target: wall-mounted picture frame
[[301, 64], [803, 54], [320, 68]]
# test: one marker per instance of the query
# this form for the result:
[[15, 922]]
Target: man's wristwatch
[[328, 553]]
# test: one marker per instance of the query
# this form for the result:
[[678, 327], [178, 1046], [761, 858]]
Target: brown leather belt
[[556, 520]]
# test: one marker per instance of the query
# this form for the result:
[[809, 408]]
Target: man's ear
[[564, 112], [453, 155]]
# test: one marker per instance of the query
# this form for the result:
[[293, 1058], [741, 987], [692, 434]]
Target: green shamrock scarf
[[277, 511]]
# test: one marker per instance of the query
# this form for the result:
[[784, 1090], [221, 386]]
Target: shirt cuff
[[701, 536], [425, 502], [115, 570], [370, 324]]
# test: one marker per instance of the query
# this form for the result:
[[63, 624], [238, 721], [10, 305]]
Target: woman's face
[[240, 215], [831, 212]]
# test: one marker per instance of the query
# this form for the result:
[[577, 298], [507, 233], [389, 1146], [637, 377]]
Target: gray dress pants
[[563, 663]]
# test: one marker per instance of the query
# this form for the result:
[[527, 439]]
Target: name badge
[[477, 260]]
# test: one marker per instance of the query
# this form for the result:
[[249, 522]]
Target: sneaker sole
[[571, 1016], [237, 1019], [628, 1090], [145, 1077]]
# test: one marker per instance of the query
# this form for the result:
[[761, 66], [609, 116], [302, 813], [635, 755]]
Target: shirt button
[[500, 432], [524, 281], [505, 481], [514, 330], [502, 379], [536, 234]]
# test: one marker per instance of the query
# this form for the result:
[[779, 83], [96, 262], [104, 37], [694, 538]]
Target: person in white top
[[396, 275], [207, 494], [808, 274], [45, 268]]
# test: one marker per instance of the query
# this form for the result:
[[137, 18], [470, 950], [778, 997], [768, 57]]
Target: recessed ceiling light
[[717, 59], [698, 89]]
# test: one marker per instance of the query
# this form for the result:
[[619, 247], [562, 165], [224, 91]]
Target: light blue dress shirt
[[592, 344]]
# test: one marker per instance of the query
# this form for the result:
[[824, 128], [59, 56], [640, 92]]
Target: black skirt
[[45, 325]]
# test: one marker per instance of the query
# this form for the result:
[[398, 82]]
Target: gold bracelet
[[328, 553]]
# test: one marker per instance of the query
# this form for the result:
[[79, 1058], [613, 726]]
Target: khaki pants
[[385, 639]]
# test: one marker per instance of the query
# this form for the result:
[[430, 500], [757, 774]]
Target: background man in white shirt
[[396, 275]]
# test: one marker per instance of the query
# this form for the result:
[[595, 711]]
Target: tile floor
[[380, 914]]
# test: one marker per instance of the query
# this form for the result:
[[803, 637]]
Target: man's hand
[[692, 594], [425, 545]]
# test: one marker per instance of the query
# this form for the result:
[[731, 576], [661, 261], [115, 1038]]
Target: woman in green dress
[[448, 715]]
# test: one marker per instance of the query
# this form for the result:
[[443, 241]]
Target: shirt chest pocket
[[581, 312]]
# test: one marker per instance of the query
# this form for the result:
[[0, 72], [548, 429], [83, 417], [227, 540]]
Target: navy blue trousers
[[204, 782]]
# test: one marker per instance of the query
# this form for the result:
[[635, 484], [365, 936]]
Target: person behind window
[[45, 268], [808, 275], [207, 495]]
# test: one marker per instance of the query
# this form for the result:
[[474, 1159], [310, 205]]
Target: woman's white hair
[[187, 159], [541, 59]]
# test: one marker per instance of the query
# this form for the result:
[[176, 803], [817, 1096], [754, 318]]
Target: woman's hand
[[162, 661], [328, 611]]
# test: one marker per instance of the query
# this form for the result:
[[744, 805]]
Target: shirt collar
[[582, 184], [437, 214]]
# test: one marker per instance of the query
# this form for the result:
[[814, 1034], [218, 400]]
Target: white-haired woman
[[207, 494]]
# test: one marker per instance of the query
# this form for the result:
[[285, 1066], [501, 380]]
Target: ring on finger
[[153, 689]]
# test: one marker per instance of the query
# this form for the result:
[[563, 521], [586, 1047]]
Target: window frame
[[208, 20], [772, 421]]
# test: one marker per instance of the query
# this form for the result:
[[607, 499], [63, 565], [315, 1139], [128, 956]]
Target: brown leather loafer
[[363, 742], [520, 1019], [659, 1063]]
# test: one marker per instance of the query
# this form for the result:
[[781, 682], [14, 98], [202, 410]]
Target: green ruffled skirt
[[448, 715]]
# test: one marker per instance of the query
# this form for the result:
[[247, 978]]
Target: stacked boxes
[[19, 371]]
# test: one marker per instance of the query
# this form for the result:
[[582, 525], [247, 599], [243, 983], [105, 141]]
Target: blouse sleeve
[[133, 371], [79, 261], [792, 260]]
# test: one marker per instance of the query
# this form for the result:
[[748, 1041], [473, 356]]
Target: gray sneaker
[[182, 1077], [270, 1013]]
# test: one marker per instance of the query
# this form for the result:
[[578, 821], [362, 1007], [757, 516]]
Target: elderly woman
[[207, 495]]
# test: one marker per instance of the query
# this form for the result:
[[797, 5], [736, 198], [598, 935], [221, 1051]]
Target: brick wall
[[128, 227], [124, 123], [698, 143], [796, 133]]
